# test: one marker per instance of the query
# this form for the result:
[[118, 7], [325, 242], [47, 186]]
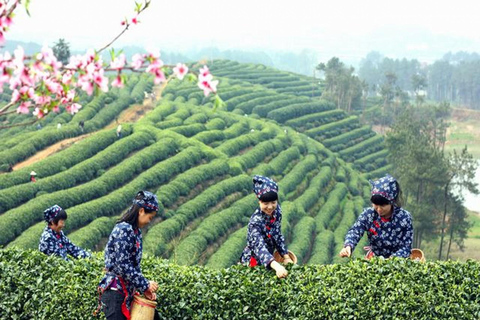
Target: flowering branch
[[43, 84]]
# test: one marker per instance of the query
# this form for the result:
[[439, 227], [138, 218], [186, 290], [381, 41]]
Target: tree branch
[[18, 124]]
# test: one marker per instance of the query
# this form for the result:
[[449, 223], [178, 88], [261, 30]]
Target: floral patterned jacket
[[263, 237], [123, 254], [387, 238], [58, 244]]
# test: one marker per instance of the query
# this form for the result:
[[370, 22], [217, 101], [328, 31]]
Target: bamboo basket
[[142, 309], [278, 257], [417, 255]]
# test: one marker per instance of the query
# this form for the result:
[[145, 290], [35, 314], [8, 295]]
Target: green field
[[199, 162], [464, 130]]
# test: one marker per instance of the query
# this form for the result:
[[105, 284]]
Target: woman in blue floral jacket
[[389, 227], [53, 241], [264, 229], [123, 254]]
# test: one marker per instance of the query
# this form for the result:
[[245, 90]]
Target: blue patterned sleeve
[[73, 250], [406, 239], [47, 245], [258, 245], [355, 233], [123, 246]]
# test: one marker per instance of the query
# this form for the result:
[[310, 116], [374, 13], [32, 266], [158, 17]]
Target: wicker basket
[[279, 258], [142, 309], [417, 255]]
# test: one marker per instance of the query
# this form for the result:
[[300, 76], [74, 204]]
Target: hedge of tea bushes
[[233, 146], [378, 159], [228, 254], [14, 221], [162, 233], [258, 153], [38, 287], [249, 105], [185, 182], [211, 228], [331, 206], [365, 147], [323, 246], [316, 118], [76, 153], [348, 138], [378, 173], [238, 99], [119, 199], [283, 114], [302, 238], [334, 128], [83, 172], [314, 191], [89, 236], [263, 110], [298, 173]]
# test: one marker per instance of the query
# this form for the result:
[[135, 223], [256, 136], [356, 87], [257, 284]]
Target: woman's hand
[[150, 295], [346, 252], [279, 269], [287, 259], [152, 286]]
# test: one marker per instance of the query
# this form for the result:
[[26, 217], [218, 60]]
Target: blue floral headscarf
[[148, 201], [262, 185], [51, 213], [385, 187]]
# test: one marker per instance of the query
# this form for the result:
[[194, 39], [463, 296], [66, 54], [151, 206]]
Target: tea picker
[[53, 241], [264, 230], [388, 226], [123, 278]]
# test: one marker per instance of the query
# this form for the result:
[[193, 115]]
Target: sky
[[342, 28]]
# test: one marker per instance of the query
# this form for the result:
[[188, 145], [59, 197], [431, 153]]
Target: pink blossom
[[87, 86], [52, 86], [204, 72], [23, 107], [38, 113], [118, 63], [207, 85], [159, 77], [42, 100], [180, 70], [135, 20], [73, 108], [56, 109], [15, 96], [117, 82], [100, 80], [67, 78], [137, 61], [154, 66]]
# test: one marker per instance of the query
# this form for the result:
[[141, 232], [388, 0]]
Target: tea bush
[[38, 287]]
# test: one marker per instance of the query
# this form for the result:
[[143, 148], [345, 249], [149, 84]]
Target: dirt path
[[137, 111], [132, 114], [49, 151]]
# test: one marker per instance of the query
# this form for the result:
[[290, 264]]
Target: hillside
[[199, 162]]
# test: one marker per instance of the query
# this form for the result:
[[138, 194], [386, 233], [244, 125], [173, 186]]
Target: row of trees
[[453, 78]]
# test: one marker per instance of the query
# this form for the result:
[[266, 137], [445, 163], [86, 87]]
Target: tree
[[342, 86], [460, 175], [61, 50], [430, 178]]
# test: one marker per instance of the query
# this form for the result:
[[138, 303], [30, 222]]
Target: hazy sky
[[333, 27]]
